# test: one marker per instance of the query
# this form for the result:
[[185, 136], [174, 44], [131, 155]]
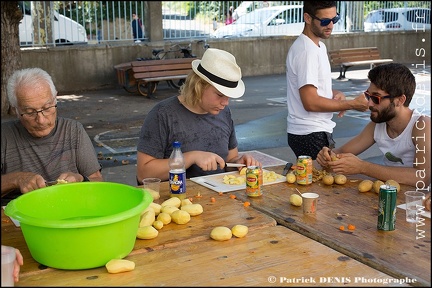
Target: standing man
[[311, 100], [137, 28]]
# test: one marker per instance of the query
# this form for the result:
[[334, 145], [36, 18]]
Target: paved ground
[[113, 118]]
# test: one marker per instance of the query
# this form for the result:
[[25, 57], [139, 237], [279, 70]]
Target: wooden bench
[[346, 58], [143, 76]]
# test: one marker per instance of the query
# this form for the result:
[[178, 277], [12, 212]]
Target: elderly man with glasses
[[311, 100], [40, 147], [402, 134]]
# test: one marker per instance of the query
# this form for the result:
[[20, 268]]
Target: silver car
[[397, 19]]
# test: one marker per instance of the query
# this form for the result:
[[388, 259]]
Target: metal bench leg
[[341, 73]]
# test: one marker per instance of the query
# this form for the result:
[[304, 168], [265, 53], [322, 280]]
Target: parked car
[[396, 19], [269, 21], [66, 30]]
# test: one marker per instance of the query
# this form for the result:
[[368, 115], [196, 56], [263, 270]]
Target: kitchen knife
[[287, 168], [234, 165], [51, 183]]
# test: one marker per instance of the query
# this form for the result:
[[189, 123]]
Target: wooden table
[[184, 255], [404, 252]]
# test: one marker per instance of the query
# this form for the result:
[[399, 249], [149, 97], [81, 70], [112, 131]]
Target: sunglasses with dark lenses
[[326, 21], [375, 99]]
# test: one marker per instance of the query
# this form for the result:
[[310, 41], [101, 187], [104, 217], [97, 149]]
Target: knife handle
[[287, 168]]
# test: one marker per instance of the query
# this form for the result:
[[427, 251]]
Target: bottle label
[[177, 183]]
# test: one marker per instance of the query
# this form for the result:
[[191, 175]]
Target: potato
[[185, 202], [291, 178], [340, 179], [328, 179], [180, 217], [158, 224], [365, 186], [164, 217], [119, 265], [376, 185], [193, 209], [147, 232], [221, 233], [156, 207], [169, 209], [243, 171], [173, 201], [147, 218], [296, 200], [239, 231], [391, 182]]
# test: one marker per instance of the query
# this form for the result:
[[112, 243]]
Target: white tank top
[[399, 151]]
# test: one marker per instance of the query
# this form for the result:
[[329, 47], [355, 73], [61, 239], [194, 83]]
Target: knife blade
[[51, 183], [234, 165], [287, 168]]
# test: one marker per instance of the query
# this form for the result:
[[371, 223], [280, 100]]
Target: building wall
[[92, 67]]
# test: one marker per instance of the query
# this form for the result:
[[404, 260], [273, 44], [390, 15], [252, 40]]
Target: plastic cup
[[7, 259], [152, 185], [414, 205], [310, 201]]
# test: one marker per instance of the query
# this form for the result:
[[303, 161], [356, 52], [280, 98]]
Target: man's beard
[[385, 115]]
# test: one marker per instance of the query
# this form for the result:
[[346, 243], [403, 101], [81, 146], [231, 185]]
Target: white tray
[[215, 182]]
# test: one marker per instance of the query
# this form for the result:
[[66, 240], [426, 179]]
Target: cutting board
[[215, 181]]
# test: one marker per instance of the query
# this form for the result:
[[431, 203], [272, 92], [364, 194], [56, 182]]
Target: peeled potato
[[243, 171], [296, 200], [340, 179], [180, 217], [239, 231], [221, 233], [365, 186], [291, 178], [376, 185], [119, 265], [391, 182], [147, 232], [328, 179]]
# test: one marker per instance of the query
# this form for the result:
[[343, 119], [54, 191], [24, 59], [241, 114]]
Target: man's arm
[[313, 102]]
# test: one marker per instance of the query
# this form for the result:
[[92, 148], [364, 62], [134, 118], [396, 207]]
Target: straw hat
[[219, 68]]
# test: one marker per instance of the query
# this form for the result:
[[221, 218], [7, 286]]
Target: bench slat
[[152, 74]]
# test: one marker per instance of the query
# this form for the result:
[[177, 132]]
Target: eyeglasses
[[326, 21], [376, 99], [45, 112]]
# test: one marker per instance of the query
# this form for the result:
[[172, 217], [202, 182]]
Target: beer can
[[254, 181], [387, 208], [304, 170]]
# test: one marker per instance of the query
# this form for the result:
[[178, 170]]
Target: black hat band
[[217, 79]]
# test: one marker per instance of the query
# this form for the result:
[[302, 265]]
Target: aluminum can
[[304, 170], [254, 181], [387, 208]]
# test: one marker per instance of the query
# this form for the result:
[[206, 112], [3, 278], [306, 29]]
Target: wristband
[[85, 178]]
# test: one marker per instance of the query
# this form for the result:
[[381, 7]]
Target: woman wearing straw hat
[[199, 118]]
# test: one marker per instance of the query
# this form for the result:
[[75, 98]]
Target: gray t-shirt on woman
[[170, 121]]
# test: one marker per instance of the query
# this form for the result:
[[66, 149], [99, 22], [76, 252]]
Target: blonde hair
[[193, 89]]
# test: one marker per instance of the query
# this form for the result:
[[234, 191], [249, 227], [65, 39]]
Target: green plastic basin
[[80, 225]]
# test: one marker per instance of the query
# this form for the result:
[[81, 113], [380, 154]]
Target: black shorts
[[310, 144]]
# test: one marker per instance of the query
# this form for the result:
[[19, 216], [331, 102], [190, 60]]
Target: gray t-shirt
[[170, 121], [67, 148]]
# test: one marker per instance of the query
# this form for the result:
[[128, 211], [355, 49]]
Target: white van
[[66, 30], [397, 19]]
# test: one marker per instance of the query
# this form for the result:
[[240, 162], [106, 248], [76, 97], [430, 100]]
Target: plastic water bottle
[[177, 172]]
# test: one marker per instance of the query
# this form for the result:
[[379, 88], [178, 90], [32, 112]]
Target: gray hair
[[27, 77]]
